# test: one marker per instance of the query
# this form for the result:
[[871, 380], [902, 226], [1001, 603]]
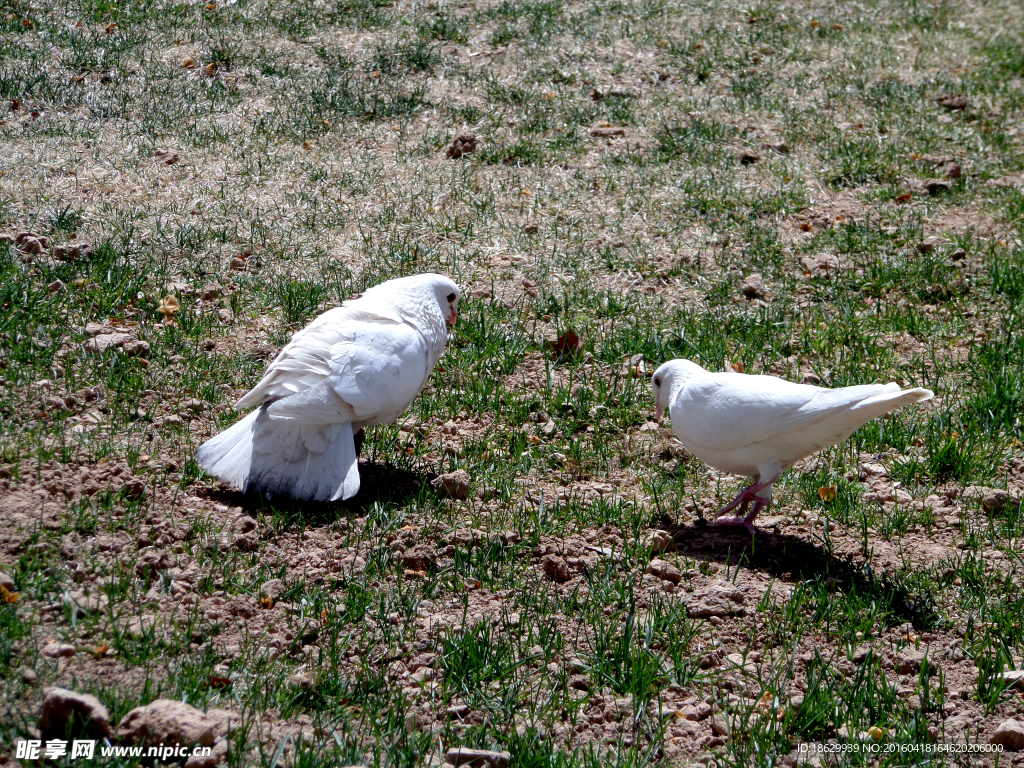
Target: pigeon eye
[[657, 382], [451, 297]]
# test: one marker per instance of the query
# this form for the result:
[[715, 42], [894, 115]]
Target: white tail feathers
[[895, 398], [284, 457]]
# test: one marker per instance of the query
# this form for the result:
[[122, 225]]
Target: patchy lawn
[[826, 192]]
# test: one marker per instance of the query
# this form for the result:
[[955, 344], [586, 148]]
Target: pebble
[[754, 287], [1010, 734], [476, 758], [454, 485], [81, 713], [58, 650]]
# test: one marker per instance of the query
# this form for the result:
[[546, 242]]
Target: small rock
[[957, 101], [461, 145], [6, 582], [1010, 734], [82, 604], [811, 378], [265, 352], [225, 315], [908, 661], [549, 428], [458, 711], [579, 682], [23, 239], [454, 485], [953, 170], [55, 286], [210, 292], [820, 263], [717, 599], [71, 251], [476, 758], [134, 488], [665, 571], [302, 679], [1014, 678], [555, 568], [420, 558], [68, 713], [575, 666], [995, 500], [272, 589], [32, 245], [929, 244], [238, 264], [56, 650], [136, 348], [754, 288], [101, 342], [607, 132], [218, 756], [166, 721], [719, 726], [657, 540], [29, 676], [168, 156]]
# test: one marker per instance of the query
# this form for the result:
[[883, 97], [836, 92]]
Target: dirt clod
[[1009, 734], [167, 156], [462, 144], [165, 721], [69, 713], [477, 758], [555, 568], [754, 287], [953, 101], [717, 599], [453, 485]]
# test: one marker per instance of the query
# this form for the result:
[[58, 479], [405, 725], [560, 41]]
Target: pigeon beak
[[453, 318], [659, 412]]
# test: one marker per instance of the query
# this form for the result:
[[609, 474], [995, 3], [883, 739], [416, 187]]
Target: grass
[[310, 144]]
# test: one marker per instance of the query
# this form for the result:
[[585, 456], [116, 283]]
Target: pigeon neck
[[425, 316]]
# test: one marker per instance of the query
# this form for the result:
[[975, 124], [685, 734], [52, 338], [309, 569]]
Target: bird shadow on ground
[[379, 485], [796, 559]]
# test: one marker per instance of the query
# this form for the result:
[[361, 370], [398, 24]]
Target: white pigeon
[[758, 426], [356, 365]]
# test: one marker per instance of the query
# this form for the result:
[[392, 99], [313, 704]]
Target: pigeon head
[[447, 294], [419, 293], [668, 378]]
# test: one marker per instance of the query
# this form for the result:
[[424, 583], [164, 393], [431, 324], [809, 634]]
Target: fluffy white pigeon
[[760, 425], [357, 365]]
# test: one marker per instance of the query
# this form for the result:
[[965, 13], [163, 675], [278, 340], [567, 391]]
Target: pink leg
[[744, 498]]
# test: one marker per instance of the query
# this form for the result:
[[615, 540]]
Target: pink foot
[[744, 499]]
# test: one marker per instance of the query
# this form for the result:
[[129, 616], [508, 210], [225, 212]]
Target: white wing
[[728, 412], [373, 374]]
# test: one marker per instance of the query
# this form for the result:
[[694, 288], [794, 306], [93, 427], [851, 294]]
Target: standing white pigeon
[[760, 425], [357, 365]]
